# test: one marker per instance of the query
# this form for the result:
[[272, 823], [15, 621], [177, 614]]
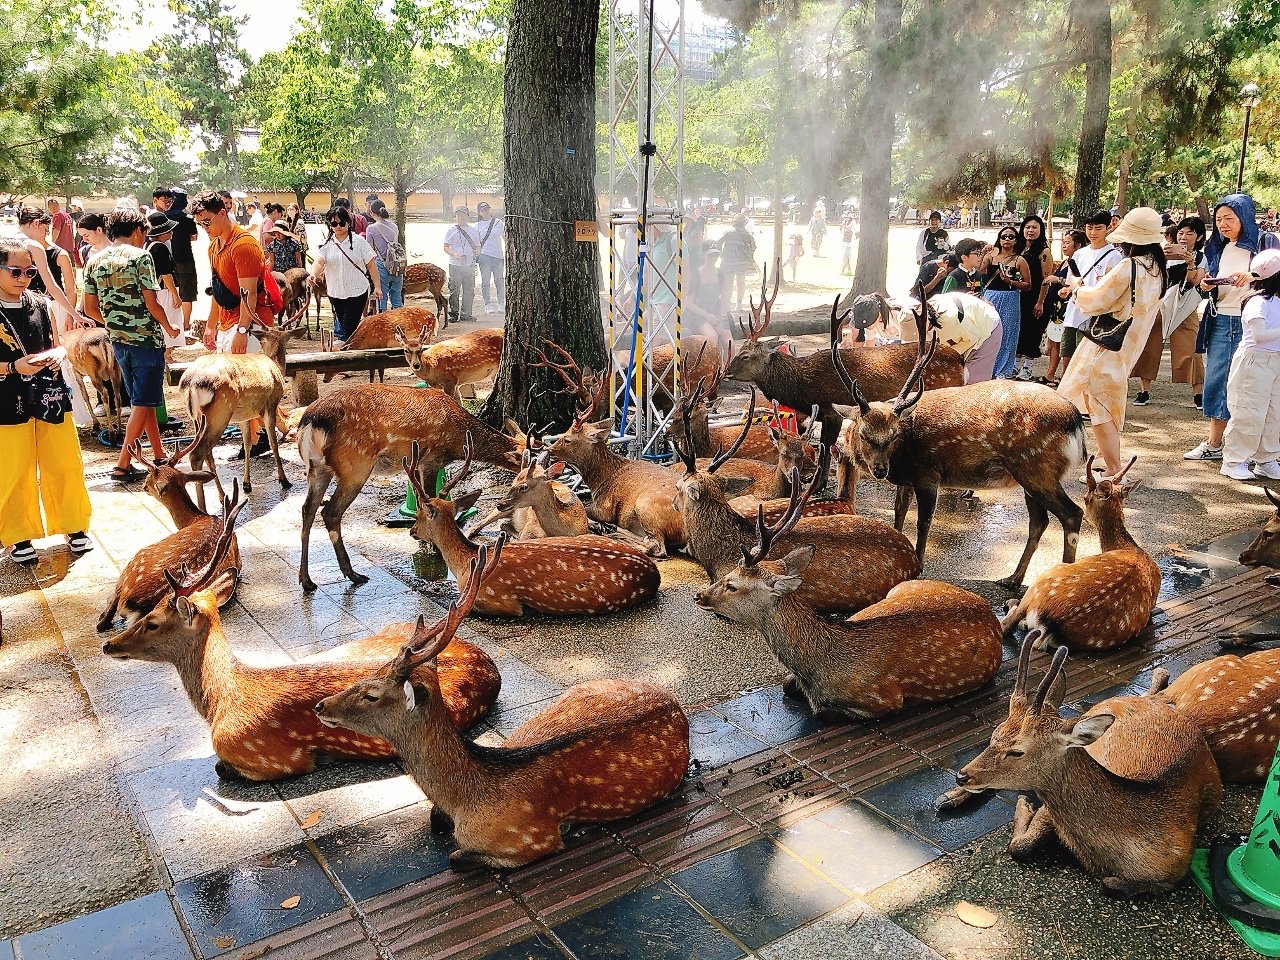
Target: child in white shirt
[[1253, 386], [794, 253]]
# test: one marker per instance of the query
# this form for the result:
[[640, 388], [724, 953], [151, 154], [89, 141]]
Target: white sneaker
[[1236, 471], [1024, 373], [1203, 452], [99, 410], [488, 309], [1270, 470]]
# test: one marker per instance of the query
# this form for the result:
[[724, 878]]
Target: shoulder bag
[[45, 395], [359, 266], [1108, 331]]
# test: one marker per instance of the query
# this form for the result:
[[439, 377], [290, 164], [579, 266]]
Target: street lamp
[[1249, 97]]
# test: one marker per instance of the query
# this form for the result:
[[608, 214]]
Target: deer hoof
[[1122, 889], [359, 579], [308, 585], [285, 484], [105, 624], [952, 800], [462, 860], [1010, 583]]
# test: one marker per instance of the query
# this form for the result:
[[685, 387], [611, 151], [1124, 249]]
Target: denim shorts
[[142, 369], [1221, 340]]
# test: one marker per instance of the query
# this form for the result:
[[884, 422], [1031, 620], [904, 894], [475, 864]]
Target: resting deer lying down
[[1265, 549], [604, 751], [1124, 787], [262, 719], [704, 439]]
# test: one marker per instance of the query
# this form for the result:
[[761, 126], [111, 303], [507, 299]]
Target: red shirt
[[240, 255], [64, 232]]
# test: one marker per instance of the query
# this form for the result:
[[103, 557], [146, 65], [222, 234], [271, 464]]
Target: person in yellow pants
[[40, 462]]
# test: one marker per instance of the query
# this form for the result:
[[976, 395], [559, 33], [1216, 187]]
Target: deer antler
[[1050, 675], [688, 367], [135, 451], [688, 456], [766, 535], [850, 384], [468, 450], [231, 507], [1024, 664], [762, 314], [202, 427], [837, 320], [570, 372], [723, 456], [904, 401]]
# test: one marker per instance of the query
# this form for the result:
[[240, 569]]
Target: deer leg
[[275, 446], [1037, 523], [901, 504], [926, 503], [331, 514], [1032, 827], [245, 480], [1070, 516], [955, 798], [318, 478], [109, 615], [1014, 614], [831, 424]]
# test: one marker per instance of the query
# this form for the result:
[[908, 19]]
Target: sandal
[[126, 475]]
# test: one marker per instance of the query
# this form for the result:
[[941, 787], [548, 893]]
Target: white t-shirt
[[465, 241], [343, 278], [1234, 260], [1261, 322], [493, 246], [1093, 265]]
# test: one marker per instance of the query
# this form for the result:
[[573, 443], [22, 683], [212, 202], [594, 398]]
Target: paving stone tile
[[715, 742], [1229, 545], [348, 792], [854, 932], [6, 950], [201, 822], [244, 903], [385, 852], [505, 721], [521, 684], [378, 610], [652, 923], [910, 801], [142, 929], [593, 868], [855, 846], [299, 622], [533, 948], [770, 716], [759, 892], [338, 936], [686, 829]]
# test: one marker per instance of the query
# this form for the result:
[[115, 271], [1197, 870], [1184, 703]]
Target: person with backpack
[[737, 259], [384, 236]]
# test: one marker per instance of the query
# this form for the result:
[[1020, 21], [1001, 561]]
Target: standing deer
[[604, 751], [561, 575], [235, 388], [925, 641], [90, 354], [428, 278], [1124, 787], [296, 293], [347, 432], [980, 436], [262, 719], [859, 560], [142, 583], [1102, 601], [466, 358], [804, 382], [1265, 549]]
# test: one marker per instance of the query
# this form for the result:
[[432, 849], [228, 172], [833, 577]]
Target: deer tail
[[1073, 447]]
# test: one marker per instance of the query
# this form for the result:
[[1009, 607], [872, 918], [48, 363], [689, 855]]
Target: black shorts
[[185, 279]]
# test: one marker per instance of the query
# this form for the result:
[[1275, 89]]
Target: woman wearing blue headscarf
[[1233, 243]]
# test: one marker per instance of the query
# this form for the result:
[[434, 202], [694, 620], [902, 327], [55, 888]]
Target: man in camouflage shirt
[[120, 291]]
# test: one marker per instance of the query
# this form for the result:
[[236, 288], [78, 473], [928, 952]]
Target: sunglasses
[[1008, 236], [337, 224], [19, 273], [203, 221]]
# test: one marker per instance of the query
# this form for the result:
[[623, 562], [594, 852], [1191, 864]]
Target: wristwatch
[[244, 330]]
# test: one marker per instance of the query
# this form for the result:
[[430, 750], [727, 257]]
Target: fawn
[[974, 437], [91, 355], [562, 575], [349, 431], [1099, 602], [1265, 549], [262, 719], [236, 388], [605, 750], [866, 666], [466, 358], [1124, 787]]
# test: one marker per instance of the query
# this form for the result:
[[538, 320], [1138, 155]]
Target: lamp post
[[1249, 97]]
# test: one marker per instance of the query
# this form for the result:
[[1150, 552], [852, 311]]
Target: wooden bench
[[376, 362]]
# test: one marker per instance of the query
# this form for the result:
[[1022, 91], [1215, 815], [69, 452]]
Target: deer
[[926, 641], [90, 354], [428, 278], [1265, 549], [605, 750], [142, 583], [296, 294], [262, 719], [1098, 602], [1124, 787], [227, 388], [804, 382], [699, 360], [382, 331], [538, 504], [859, 560], [466, 358], [580, 575], [351, 429], [979, 436], [704, 439]]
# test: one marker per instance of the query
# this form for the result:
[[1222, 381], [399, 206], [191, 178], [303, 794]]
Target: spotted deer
[[352, 429], [466, 358], [1123, 787], [1265, 549], [604, 751], [1098, 602], [859, 560], [925, 641], [975, 437], [581, 575], [262, 719], [804, 382], [699, 360], [142, 583], [705, 439], [227, 388], [381, 331], [547, 508], [430, 279], [91, 356]]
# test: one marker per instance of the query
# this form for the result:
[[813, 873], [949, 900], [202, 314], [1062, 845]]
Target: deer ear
[[781, 585], [845, 410], [1128, 486], [197, 476], [186, 609], [692, 489], [465, 502], [797, 561], [1087, 730], [224, 586], [410, 701], [734, 485], [555, 469]]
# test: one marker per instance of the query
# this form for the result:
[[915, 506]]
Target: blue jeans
[[142, 371], [492, 267], [392, 287], [1221, 340]]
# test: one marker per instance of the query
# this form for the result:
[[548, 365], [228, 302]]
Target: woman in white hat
[[1097, 381]]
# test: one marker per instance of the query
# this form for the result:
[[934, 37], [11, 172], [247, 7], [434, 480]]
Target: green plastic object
[[407, 512], [1240, 876]]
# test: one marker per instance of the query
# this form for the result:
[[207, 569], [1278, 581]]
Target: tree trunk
[[776, 148], [400, 184], [300, 194], [549, 165], [870, 275], [1202, 205], [1126, 166], [1094, 20], [446, 199]]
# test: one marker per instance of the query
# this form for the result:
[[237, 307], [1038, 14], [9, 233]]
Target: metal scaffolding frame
[[646, 98]]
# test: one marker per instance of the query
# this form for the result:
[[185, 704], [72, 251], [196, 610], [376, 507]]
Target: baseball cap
[[1265, 265], [482, 205]]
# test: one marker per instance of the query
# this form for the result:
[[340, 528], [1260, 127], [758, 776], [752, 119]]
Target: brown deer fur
[[466, 358], [538, 505], [1102, 601], [377, 331], [348, 431], [296, 294], [90, 354], [1124, 787], [1265, 549], [604, 751], [428, 278]]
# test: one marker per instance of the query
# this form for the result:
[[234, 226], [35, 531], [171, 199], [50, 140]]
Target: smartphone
[[1215, 281]]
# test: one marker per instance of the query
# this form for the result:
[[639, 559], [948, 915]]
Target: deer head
[[179, 627], [695, 431], [796, 451], [1265, 549], [584, 439], [409, 683], [1104, 501], [438, 515], [415, 349], [696, 483], [166, 481], [275, 341], [754, 354], [874, 430]]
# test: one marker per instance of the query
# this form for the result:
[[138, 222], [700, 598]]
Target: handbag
[[1108, 331], [45, 394], [359, 266]]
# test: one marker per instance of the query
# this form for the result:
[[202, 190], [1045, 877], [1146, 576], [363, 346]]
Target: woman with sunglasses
[[1005, 276], [348, 266], [41, 463]]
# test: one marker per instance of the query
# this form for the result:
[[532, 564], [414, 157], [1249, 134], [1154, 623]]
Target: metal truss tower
[[646, 196]]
